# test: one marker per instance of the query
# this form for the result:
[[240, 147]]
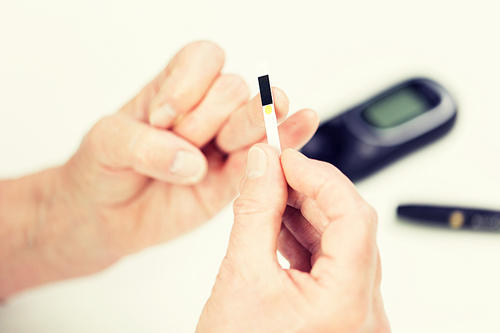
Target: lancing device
[[453, 217], [268, 110]]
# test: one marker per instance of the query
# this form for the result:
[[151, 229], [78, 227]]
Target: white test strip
[[268, 111]]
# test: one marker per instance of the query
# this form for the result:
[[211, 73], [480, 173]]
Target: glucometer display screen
[[396, 108]]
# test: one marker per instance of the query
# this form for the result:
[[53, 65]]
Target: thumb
[[120, 142], [258, 210]]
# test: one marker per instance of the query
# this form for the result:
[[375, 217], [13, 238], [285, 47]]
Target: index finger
[[246, 125], [334, 193], [180, 86], [348, 241], [191, 72]]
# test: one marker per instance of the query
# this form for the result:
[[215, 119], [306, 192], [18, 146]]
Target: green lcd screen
[[396, 108]]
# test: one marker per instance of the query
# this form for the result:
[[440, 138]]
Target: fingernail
[[162, 116], [187, 165], [256, 163]]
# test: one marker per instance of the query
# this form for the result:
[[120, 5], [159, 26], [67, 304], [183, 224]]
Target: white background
[[65, 64]]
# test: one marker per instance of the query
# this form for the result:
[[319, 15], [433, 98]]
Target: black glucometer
[[387, 126]]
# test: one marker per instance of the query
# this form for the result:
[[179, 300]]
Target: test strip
[[268, 110]]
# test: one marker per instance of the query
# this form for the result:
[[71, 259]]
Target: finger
[[138, 107], [229, 170], [291, 249], [298, 129], [246, 126], [227, 93], [258, 211], [335, 194], [348, 242], [122, 142], [303, 232], [188, 76], [309, 210]]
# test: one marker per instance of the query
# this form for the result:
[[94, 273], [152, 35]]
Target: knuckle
[[212, 49], [368, 213], [99, 131], [103, 125], [325, 191], [247, 206], [328, 186], [204, 48], [233, 87], [200, 57], [179, 94], [102, 137], [140, 149], [315, 247], [364, 252]]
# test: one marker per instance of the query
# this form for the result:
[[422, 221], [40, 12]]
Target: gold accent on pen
[[456, 219]]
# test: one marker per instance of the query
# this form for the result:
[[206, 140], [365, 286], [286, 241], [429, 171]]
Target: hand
[[326, 231], [168, 161]]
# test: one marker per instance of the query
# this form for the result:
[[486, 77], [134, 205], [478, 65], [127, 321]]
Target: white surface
[[64, 65]]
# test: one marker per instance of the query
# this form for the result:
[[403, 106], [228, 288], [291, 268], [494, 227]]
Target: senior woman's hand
[[165, 163], [312, 214]]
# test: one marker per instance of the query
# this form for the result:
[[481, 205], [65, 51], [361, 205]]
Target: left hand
[[128, 187]]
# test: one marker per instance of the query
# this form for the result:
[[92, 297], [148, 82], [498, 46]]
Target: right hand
[[326, 231]]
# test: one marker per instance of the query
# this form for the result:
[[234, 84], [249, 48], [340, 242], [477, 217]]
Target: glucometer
[[384, 128]]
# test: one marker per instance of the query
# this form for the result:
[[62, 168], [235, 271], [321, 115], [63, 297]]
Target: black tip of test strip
[[265, 90]]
